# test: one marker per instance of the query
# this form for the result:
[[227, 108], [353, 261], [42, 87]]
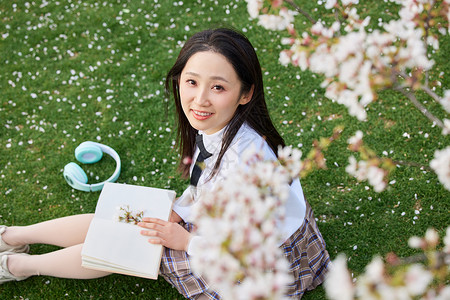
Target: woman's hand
[[169, 234]]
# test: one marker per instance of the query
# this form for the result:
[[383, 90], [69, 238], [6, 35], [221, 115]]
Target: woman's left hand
[[169, 234]]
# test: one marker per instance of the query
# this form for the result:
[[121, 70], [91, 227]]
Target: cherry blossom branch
[[241, 236], [394, 57]]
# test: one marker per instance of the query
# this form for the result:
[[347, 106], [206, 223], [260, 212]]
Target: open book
[[113, 242]]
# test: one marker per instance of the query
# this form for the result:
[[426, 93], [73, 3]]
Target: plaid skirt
[[305, 251]]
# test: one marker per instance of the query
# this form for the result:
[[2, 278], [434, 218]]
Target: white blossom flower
[[445, 101], [375, 270], [358, 169], [284, 59], [288, 16], [350, 44], [253, 7], [447, 241], [126, 214], [432, 237], [348, 98], [291, 160], [446, 129], [417, 279], [338, 284], [444, 294], [330, 4], [348, 2], [375, 177], [374, 276], [299, 58], [415, 242], [277, 22], [271, 22], [353, 165], [323, 62], [362, 171], [356, 139], [441, 165], [388, 292]]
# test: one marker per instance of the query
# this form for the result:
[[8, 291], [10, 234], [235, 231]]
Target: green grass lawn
[[74, 70]]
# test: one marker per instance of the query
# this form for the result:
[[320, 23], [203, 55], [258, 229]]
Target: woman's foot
[[4, 247], [5, 274]]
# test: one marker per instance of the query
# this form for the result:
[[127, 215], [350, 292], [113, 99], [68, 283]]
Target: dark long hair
[[238, 50]]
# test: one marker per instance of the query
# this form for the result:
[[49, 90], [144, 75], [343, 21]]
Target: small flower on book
[[127, 215]]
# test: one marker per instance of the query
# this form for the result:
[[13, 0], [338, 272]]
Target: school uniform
[[302, 243]]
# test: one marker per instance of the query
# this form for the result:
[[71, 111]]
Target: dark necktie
[[198, 167]]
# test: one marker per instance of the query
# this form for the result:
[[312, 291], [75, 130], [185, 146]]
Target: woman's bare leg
[[64, 263], [62, 232], [68, 232]]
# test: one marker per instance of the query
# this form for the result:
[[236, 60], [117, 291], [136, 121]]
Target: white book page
[[122, 245], [154, 202]]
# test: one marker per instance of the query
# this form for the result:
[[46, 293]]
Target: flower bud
[[415, 242], [432, 238]]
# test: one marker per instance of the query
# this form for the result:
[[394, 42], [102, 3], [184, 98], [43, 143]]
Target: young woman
[[217, 85]]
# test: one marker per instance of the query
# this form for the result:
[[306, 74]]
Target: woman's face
[[210, 91]]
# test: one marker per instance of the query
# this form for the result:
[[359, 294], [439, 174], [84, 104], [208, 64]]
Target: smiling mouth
[[201, 114]]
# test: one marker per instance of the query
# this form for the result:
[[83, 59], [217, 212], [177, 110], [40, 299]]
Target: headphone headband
[[90, 152]]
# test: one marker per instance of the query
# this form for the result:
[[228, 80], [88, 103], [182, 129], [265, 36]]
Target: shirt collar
[[213, 141]]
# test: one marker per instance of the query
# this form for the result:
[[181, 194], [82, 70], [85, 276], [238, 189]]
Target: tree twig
[[411, 164], [430, 93], [420, 107], [418, 258], [304, 13], [427, 27]]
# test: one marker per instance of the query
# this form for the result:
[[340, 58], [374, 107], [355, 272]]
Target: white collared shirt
[[245, 138]]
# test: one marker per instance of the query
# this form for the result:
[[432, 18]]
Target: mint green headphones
[[89, 153]]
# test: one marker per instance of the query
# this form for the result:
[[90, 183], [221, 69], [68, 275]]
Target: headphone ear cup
[[88, 153], [74, 173]]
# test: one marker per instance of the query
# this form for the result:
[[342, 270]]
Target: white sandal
[[5, 275], [5, 247]]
